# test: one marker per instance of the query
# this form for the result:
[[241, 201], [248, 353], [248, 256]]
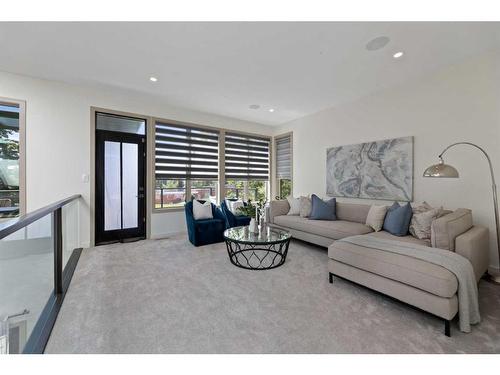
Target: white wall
[[460, 103], [58, 139]]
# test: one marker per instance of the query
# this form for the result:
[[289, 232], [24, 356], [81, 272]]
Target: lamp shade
[[441, 170]]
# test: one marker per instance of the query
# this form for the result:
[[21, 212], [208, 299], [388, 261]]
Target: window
[[235, 189], [186, 164], [11, 130], [284, 157], [170, 193], [285, 187], [204, 190], [257, 190], [246, 166]]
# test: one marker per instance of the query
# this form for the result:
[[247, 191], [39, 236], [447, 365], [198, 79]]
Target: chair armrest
[[190, 223], [474, 245], [218, 214], [189, 213], [277, 208]]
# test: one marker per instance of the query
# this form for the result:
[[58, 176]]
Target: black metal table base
[[257, 256]]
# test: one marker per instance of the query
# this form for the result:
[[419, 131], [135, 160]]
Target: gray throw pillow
[[397, 219], [322, 210], [421, 224], [420, 229]]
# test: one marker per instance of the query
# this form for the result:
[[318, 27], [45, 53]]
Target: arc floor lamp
[[447, 171]]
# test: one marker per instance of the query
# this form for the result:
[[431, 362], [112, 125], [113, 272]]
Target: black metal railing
[[42, 328]]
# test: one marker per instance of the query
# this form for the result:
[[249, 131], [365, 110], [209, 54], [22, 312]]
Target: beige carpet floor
[[166, 296]]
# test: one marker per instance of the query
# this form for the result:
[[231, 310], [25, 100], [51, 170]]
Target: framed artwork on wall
[[371, 170]]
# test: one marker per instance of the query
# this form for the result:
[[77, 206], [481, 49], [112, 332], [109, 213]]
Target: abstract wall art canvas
[[372, 170]]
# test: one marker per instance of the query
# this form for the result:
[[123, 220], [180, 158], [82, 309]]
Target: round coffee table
[[257, 251]]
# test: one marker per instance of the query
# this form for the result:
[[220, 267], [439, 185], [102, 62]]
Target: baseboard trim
[[493, 270], [163, 236]]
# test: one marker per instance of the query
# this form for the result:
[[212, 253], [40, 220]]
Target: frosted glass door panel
[[130, 183], [112, 186]]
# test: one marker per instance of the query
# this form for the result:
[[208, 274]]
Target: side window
[[284, 162], [11, 161]]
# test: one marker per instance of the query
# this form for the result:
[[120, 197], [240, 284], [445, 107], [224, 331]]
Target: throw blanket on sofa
[[468, 306]]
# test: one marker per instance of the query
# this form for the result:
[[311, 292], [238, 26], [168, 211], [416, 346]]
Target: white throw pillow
[[305, 206], [234, 205], [376, 216], [202, 210], [294, 205]]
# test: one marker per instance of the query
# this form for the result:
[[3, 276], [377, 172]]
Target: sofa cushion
[[352, 212], [407, 270], [445, 229], [331, 229]]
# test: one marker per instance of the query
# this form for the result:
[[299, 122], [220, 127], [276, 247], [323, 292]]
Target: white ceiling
[[222, 68]]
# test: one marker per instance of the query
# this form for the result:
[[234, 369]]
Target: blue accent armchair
[[231, 219], [205, 231]]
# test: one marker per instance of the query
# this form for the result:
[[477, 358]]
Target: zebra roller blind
[[284, 157], [246, 157], [186, 152]]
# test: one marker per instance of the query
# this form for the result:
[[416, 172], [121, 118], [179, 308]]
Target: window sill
[[167, 209]]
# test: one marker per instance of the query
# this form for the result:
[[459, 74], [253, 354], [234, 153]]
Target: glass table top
[[267, 235]]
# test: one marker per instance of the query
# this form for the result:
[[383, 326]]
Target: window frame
[[276, 179], [22, 149], [221, 182]]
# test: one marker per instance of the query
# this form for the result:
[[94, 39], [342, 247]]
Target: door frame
[[122, 138], [92, 175]]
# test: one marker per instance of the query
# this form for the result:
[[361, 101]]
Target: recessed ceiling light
[[271, 109], [254, 106], [153, 79], [377, 43], [399, 54]]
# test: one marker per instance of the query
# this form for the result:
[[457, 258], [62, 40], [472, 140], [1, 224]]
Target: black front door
[[120, 209]]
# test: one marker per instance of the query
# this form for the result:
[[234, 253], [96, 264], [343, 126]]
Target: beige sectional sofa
[[424, 285]]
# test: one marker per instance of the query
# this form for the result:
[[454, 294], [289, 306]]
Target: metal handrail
[[13, 225]]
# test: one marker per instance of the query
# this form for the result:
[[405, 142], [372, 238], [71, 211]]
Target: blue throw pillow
[[397, 220], [322, 210]]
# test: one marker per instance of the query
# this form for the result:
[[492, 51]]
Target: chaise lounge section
[[427, 286]]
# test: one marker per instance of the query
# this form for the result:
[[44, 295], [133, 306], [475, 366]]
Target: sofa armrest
[[474, 245], [447, 228], [277, 208]]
